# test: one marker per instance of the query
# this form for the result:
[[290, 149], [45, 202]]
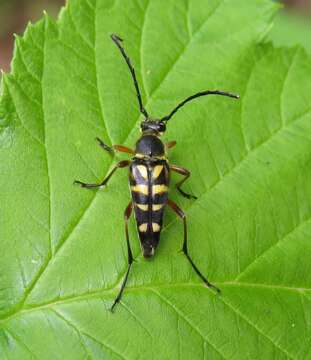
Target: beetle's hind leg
[[119, 165], [182, 215], [186, 173], [127, 214]]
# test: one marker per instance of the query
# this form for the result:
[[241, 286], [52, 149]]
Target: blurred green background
[[292, 25]]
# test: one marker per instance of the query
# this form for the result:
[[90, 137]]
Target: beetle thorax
[[149, 145]]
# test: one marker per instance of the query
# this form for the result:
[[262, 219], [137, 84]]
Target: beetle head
[[156, 127]]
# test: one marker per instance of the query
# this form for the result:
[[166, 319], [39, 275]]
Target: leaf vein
[[79, 332], [262, 333], [189, 322], [281, 240]]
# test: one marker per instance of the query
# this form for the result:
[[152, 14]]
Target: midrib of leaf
[[266, 286], [110, 292]]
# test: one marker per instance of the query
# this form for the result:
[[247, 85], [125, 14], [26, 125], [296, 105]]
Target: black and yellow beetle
[[149, 178]]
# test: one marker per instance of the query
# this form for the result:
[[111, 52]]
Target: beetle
[[149, 179]]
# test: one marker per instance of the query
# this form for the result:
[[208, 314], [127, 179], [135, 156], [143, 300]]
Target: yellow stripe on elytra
[[156, 227], [156, 207], [157, 171], [143, 189], [143, 171], [158, 189], [142, 207], [143, 227]]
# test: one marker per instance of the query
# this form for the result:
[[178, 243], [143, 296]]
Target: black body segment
[[149, 182], [150, 145]]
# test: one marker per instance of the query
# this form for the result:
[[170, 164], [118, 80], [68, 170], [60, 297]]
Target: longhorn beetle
[[149, 178]]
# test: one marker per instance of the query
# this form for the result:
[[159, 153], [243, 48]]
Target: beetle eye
[[162, 126]]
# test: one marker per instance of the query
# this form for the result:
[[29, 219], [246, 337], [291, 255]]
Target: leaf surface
[[249, 230], [290, 29]]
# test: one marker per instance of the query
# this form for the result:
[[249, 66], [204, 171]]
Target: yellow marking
[[156, 227], [142, 207], [156, 207], [143, 189], [157, 171], [158, 189], [143, 227], [144, 156], [143, 171]]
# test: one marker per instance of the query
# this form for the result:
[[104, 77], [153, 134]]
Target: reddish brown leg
[[119, 165], [186, 174], [127, 214], [170, 144], [182, 215], [119, 148]]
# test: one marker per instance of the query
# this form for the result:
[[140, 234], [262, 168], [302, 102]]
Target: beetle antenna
[[117, 40], [202, 93]]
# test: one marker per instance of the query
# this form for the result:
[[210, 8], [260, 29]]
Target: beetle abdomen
[[149, 181]]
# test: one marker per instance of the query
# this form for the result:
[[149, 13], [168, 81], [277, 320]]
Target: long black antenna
[[202, 93], [117, 40]]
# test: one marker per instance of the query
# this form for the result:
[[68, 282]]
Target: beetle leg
[[113, 148], [186, 173], [127, 214], [170, 144], [119, 165], [182, 215]]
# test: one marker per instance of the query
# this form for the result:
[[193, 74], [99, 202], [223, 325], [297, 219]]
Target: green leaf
[[64, 251], [291, 29]]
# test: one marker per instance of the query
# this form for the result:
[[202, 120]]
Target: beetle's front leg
[[119, 165], [186, 173], [170, 144], [113, 148]]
